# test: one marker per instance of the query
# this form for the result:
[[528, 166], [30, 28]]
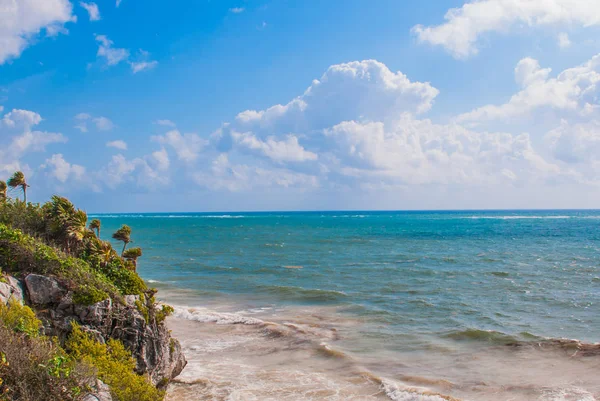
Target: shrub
[[114, 365], [31, 366], [20, 318], [164, 312], [23, 254]]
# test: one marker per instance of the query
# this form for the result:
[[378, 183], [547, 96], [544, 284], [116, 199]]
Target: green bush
[[20, 318], [23, 254], [114, 365], [31, 366]]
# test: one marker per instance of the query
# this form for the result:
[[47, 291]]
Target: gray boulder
[[43, 290], [11, 289]]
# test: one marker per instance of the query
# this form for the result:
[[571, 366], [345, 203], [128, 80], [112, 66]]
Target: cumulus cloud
[[138, 171], [186, 146], [17, 127], [118, 144], [464, 26], [161, 159], [21, 119], [92, 9], [286, 150], [22, 21], [360, 125], [101, 123], [62, 170], [223, 175], [575, 90], [110, 54], [166, 123], [563, 40], [142, 65], [575, 144]]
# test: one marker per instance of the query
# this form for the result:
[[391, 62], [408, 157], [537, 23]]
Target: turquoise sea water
[[432, 294], [416, 272]]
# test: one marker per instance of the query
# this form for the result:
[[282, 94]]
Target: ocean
[[452, 305]]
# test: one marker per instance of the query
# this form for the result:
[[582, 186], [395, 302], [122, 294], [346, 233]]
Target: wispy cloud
[[92, 9]]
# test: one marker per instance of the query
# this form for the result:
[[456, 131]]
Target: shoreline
[[289, 355]]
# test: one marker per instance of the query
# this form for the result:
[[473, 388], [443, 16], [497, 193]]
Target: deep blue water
[[409, 273]]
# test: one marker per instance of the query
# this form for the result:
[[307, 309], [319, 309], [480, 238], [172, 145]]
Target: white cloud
[[579, 143], [287, 150], [25, 140], [142, 65], [63, 170], [237, 10], [120, 170], [417, 152], [22, 21], [464, 26], [161, 159], [92, 9], [186, 146], [103, 124], [223, 175], [112, 55], [563, 40], [118, 144], [21, 118], [166, 123], [575, 91]]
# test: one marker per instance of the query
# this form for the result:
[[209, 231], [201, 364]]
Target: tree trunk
[[124, 245], [25, 193]]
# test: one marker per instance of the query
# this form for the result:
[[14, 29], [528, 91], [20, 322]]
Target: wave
[[527, 340], [519, 217], [209, 316], [399, 392], [169, 216], [491, 336], [304, 294]]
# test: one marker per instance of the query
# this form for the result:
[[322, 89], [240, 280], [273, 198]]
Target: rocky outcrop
[[156, 352]]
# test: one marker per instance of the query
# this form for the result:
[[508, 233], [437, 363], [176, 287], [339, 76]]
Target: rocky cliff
[[156, 352]]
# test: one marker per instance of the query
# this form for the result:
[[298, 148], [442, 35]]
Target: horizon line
[[361, 210]]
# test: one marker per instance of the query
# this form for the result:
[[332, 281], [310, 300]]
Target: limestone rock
[[5, 293], [44, 290], [102, 393], [11, 290]]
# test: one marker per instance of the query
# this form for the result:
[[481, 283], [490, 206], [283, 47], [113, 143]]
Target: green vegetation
[[32, 367], [123, 234], [114, 365], [55, 239], [18, 181]]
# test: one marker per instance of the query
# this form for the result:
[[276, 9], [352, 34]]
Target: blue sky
[[302, 105]]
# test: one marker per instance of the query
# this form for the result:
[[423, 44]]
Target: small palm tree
[[3, 188], [18, 180], [104, 251], [95, 225], [76, 225], [123, 234], [133, 254]]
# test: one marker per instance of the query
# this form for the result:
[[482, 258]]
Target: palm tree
[[18, 180], [95, 225], [104, 251], [3, 188], [133, 254], [76, 225], [123, 234]]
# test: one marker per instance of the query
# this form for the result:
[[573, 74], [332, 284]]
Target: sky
[[153, 106]]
